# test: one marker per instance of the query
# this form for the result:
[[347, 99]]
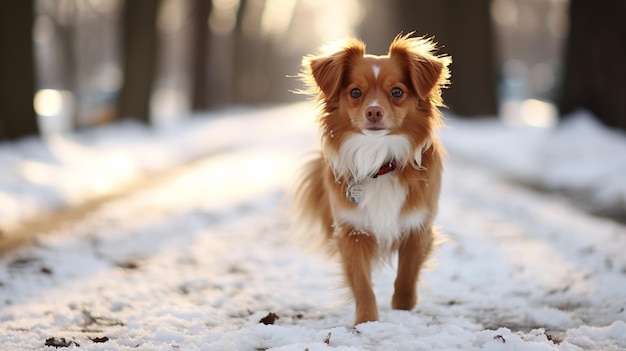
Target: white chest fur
[[379, 211], [362, 155]]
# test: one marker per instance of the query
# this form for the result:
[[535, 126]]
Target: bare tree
[[594, 76], [17, 76], [139, 58]]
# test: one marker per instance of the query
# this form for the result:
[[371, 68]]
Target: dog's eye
[[396, 92], [355, 93]]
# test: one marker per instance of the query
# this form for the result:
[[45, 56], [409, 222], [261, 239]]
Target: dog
[[373, 190]]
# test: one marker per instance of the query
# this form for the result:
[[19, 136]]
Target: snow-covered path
[[196, 261]]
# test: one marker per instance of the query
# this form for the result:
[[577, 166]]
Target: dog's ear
[[428, 73], [326, 71]]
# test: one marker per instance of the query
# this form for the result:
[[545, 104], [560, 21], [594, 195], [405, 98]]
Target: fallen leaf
[[269, 319], [129, 264], [100, 340], [60, 342]]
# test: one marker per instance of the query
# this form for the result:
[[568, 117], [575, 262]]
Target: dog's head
[[379, 95]]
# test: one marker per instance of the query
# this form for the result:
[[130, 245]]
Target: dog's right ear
[[324, 74]]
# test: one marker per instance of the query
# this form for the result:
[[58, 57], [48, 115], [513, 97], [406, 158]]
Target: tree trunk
[[250, 81], [200, 55], [594, 76], [140, 58], [17, 76]]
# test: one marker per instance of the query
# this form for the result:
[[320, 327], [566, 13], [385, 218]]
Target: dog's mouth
[[375, 131], [375, 128]]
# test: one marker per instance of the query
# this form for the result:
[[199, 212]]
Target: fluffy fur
[[375, 109]]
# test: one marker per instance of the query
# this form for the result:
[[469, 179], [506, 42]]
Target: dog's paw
[[404, 301]]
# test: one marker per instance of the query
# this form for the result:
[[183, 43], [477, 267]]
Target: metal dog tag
[[354, 193]]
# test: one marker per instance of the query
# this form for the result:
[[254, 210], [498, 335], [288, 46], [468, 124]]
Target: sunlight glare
[[538, 113], [336, 19], [48, 102], [529, 112], [277, 15], [54, 109], [83, 168], [120, 168]]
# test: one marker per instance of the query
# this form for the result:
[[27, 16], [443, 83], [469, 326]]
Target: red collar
[[386, 168]]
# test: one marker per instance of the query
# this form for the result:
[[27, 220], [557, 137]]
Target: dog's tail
[[312, 216]]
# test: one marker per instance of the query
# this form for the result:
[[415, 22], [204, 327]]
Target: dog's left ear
[[429, 73]]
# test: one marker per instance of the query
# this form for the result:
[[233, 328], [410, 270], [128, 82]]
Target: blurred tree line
[[137, 58]]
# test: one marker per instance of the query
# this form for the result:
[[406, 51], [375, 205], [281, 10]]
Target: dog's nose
[[374, 113]]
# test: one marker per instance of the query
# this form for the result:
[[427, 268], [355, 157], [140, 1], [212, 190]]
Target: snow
[[580, 157], [194, 248]]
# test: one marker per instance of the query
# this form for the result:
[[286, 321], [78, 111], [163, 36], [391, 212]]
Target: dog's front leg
[[357, 250], [412, 253]]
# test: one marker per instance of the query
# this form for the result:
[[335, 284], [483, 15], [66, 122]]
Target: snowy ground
[[195, 260]]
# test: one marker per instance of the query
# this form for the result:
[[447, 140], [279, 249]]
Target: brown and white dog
[[374, 188]]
